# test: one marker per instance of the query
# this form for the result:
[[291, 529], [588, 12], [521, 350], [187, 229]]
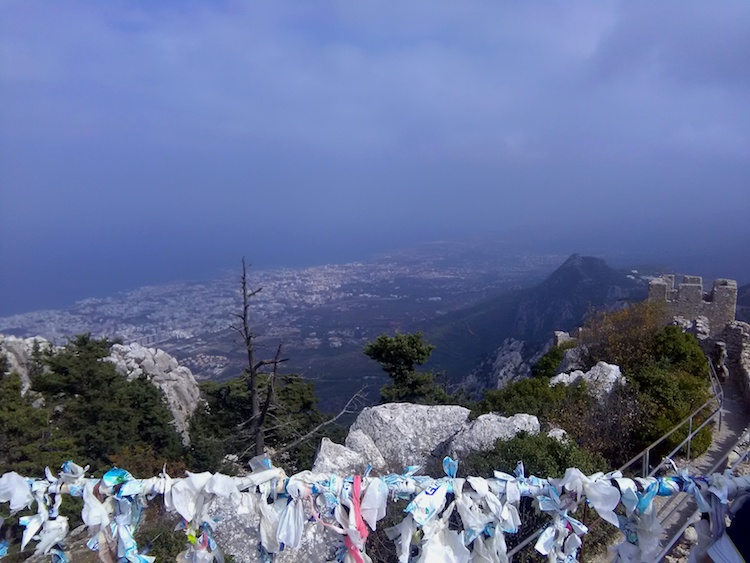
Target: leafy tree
[[542, 456], [398, 355], [673, 348], [531, 396]]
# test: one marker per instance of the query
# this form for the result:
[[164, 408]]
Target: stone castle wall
[[688, 299], [737, 338]]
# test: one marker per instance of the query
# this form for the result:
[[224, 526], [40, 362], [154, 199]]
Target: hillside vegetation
[[667, 379]]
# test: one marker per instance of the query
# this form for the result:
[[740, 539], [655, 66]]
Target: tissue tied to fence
[[352, 505]]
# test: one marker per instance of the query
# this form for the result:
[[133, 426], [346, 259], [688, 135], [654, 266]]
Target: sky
[[147, 141]]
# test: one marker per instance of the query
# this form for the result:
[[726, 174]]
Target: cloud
[[422, 117]]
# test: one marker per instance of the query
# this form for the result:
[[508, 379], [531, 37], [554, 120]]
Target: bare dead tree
[[261, 411], [255, 367]]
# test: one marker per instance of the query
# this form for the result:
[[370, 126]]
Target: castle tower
[[688, 300]]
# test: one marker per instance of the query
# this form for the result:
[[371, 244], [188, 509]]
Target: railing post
[[645, 462], [690, 438]]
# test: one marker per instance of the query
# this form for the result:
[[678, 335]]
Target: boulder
[[407, 434], [601, 379], [19, 352], [481, 434], [361, 443], [338, 459], [573, 359]]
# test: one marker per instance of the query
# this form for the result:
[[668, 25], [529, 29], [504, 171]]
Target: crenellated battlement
[[690, 301]]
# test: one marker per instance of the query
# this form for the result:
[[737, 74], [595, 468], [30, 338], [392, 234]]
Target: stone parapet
[[690, 301]]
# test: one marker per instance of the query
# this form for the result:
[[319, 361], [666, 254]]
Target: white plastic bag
[[443, 545], [291, 524], [401, 535], [374, 501], [15, 489], [428, 503]]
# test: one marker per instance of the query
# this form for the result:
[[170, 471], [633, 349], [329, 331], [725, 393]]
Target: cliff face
[[133, 360]]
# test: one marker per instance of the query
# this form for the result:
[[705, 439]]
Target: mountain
[[471, 345]]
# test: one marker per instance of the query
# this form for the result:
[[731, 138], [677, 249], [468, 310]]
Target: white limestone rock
[[361, 443], [407, 434], [509, 363], [338, 459], [176, 382], [19, 352], [481, 434], [560, 337], [573, 359], [559, 434], [600, 380]]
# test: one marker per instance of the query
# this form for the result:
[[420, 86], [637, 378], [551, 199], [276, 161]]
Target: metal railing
[[715, 404]]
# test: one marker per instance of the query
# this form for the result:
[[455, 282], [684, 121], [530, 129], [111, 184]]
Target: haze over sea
[[143, 142]]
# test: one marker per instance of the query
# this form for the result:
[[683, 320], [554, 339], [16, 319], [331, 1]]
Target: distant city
[[316, 312]]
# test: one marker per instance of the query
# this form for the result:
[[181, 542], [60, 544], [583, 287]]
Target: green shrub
[[547, 364]]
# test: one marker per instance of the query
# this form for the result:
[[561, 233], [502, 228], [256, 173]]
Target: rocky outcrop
[[175, 381], [574, 359], [407, 434], [19, 352], [699, 327], [132, 360], [600, 380], [361, 443], [394, 436], [510, 362], [337, 459]]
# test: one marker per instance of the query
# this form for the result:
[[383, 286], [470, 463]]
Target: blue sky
[[146, 141]]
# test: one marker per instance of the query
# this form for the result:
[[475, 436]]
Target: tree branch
[[350, 407]]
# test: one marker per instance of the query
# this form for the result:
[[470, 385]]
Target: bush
[[547, 364], [624, 337], [531, 396]]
